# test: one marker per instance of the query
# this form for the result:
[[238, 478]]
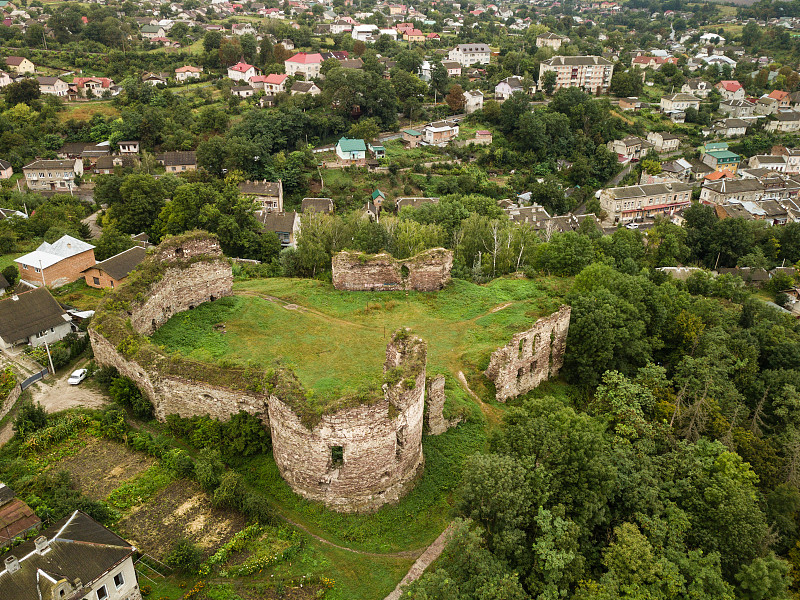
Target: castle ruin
[[428, 271], [530, 357]]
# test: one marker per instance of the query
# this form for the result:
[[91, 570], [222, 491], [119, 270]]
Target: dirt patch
[[181, 510], [59, 395], [102, 466]]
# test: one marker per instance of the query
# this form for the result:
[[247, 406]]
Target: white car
[[632, 226], [77, 377]]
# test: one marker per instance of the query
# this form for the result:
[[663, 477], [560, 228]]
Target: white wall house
[[469, 54]]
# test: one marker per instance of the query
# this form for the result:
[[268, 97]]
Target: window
[[119, 580], [102, 593], [37, 269], [96, 280], [337, 456]]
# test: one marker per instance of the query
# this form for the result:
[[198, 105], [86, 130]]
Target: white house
[[350, 150], [243, 29], [439, 133], [187, 72], [365, 33], [274, 83], [32, 317], [474, 101], [469, 54], [53, 86], [306, 64], [241, 71], [508, 86], [679, 101], [76, 557]]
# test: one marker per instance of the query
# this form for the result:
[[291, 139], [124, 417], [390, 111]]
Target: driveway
[[91, 221], [57, 395]]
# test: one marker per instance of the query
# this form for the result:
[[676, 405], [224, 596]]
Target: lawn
[[335, 341], [84, 111]]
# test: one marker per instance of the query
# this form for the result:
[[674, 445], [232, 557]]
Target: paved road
[[94, 228], [615, 181]]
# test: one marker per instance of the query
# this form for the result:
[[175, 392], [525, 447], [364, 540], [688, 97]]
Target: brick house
[[74, 558], [111, 271], [56, 264], [33, 318], [52, 175]]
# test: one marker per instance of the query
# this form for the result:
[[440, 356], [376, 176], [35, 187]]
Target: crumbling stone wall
[[178, 395], [428, 271], [434, 407], [359, 458], [530, 357], [184, 286]]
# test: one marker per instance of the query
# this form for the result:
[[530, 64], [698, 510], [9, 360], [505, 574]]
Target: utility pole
[[49, 358]]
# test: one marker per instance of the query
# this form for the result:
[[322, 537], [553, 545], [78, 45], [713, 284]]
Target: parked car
[[632, 226], [77, 377]]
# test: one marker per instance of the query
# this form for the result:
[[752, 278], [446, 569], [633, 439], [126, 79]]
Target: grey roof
[[302, 86], [681, 97], [414, 202], [788, 116], [172, 159], [4, 164], [260, 188], [29, 314], [79, 548], [279, 222], [735, 186], [107, 162], [51, 164], [472, 47], [42, 80], [650, 189], [119, 265], [577, 61], [324, 205]]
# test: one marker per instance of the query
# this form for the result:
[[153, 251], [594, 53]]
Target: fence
[[34, 378]]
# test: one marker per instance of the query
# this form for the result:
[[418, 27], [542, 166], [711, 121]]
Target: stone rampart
[[428, 271], [361, 457], [530, 357], [171, 394], [434, 407]]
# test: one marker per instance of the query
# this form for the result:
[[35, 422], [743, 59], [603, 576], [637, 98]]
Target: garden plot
[[181, 510], [102, 466]]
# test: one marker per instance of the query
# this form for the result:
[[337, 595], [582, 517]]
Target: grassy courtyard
[[335, 341]]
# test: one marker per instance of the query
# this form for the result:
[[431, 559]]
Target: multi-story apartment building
[[55, 175], [635, 201], [726, 190], [590, 73], [469, 54]]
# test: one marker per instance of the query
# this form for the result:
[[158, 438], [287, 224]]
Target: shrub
[[208, 469], [180, 463], [256, 507], [31, 417], [125, 393], [184, 556], [106, 375], [230, 492]]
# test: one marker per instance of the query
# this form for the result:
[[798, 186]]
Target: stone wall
[[530, 357], [434, 407], [178, 395], [12, 398], [359, 458], [428, 271], [184, 286]]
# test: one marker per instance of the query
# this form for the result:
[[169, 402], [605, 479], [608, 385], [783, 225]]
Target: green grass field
[[335, 341]]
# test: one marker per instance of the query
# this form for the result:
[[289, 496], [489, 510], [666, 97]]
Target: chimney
[[12, 564], [42, 544]]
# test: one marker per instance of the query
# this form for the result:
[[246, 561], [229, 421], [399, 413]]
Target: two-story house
[[268, 195], [20, 65], [551, 40], [187, 72], [737, 108], [508, 86], [305, 64], [75, 558], [784, 122], [473, 101], [679, 101], [731, 90], [722, 160], [53, 86], [52, 175], [663, 141], [439, 133], [56, 264], [241, 71], [636, 201]]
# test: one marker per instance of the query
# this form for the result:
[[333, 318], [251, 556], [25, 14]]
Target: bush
[[230, 492], [180, 463], [125, 393], [106, 375], [31, 417], [256, 507], [184, 556], [208, 469]]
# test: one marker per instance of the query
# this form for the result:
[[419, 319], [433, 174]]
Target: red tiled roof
[[731, 85], [306, 59], [241, 67], [15, 518], [275, 78]]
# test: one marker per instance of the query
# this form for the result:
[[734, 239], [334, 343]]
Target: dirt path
[[91, 221], [423, 562], [403, 554], [492, 413]]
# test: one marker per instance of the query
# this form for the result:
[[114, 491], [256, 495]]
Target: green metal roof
[[412, 132], [349, 145], [722, 155], [716, 146], [378, 194]]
